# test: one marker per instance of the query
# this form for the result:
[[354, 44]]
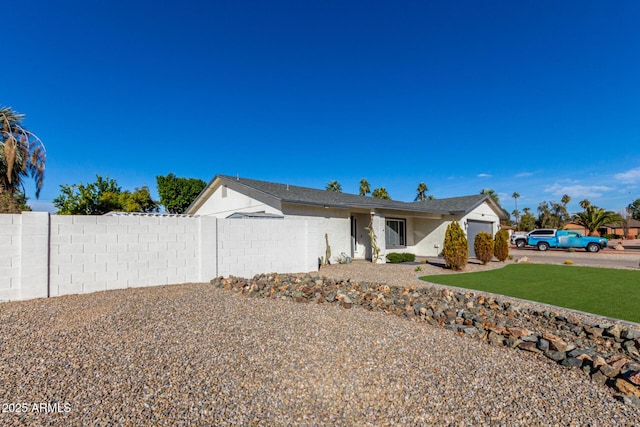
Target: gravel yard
[[193, 355]]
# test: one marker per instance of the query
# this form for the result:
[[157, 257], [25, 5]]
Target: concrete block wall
[[247, 247], [97, 253], [43, 255], [10, 250]]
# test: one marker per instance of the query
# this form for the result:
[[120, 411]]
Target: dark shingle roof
[[312, 196]]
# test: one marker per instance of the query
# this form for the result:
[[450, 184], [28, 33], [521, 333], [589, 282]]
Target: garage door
[[475, 227]]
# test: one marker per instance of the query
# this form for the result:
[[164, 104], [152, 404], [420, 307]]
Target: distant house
[[416, 227], [613, 229], [632, 232]]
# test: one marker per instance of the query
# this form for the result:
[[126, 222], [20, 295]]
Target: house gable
[[222, 198]]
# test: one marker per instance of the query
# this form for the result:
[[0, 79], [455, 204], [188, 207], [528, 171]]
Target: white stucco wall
[[483, 213], [336, 223], [222, 206]]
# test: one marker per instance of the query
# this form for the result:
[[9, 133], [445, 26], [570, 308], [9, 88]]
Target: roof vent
[[287, 187]]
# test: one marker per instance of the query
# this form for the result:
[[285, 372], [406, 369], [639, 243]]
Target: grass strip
[[604, 291]]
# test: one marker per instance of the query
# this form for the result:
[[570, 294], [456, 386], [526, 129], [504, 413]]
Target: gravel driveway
[[193, 355]]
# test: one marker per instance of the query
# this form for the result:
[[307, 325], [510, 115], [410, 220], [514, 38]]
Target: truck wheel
[[520, 243], [543, 246], [593, 247]]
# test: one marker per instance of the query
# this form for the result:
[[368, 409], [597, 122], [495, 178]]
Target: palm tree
[[365, 188], [584, 204], [516, 212], [22, 154], [381, 193], [334, 186], [492, 193], [594, 217], [565, 200], [421, 192]]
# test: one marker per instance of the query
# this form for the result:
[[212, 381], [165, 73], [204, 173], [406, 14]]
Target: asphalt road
[[608, 257]]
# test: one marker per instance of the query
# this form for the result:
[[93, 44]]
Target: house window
[[395, 233]]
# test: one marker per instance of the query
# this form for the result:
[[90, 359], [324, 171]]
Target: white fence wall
[[43, 255]]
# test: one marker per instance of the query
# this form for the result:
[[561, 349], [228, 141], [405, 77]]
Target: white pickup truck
[[521, 240]]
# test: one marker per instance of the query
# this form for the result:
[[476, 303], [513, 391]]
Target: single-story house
[[413, 227], [632, 229]]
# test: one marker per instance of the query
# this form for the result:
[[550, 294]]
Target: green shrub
[[455, 249], [395, 257], [501, 245], [483, 247]]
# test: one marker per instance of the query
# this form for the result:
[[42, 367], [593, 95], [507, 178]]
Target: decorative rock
[[555, 355], [613, 331], [543, 345], [619, 247], [556, 343], [598, 361], [630, 347], [630, 334], [629, 400], [593, 331], [627, 388], [571, 362], [529, 346], [518, 332], [524, 259], [599, 378], [609, 371], [635, 378], [495, 338]]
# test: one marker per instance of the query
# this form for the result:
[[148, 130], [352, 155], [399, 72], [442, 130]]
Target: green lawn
[[604, 291]]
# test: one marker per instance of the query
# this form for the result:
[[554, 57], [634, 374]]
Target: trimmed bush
[[395, 257], [483, 247], [501, 245], [455, 248]]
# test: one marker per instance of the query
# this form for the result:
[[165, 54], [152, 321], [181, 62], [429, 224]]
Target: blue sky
[[538, 97]]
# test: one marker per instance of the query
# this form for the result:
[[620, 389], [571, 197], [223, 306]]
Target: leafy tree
[[138, 201], [528, 221], [455, 248], [334, 186], [634, 208], [552, 215], [365, 188], [101, 197], [381, 193], [177, 194], [593, 217], [421, 192], [22, 154]]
